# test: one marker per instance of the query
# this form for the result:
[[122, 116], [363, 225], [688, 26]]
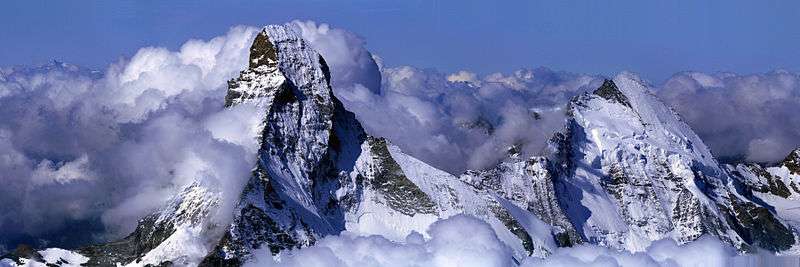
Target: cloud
[[453, 121], [463, 76], [754, 117], [354, 65], [705, 251], [463, 120], [474, 123], [85, 154], [48, 172], [449, 246]]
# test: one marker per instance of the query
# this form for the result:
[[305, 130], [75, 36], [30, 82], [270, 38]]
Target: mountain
[[631, 171], [625, 171], [319, 173]]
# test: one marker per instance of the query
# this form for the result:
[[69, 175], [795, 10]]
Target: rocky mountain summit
[[624, 171]]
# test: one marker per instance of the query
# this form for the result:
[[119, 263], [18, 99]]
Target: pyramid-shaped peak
[[281, 58], [262, 52], [624, 109], [611, 92]]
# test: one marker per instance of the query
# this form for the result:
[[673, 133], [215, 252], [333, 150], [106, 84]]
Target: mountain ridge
[[624, 172]]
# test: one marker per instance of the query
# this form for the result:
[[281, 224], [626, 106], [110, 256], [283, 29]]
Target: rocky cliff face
[[528, 184], [774, 192], [624, 171]]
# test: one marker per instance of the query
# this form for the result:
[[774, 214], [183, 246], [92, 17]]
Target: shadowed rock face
[[773, 191], [528, 183], [148, 235], [401, 194], [262, 52], [190, 207], [759, 227]]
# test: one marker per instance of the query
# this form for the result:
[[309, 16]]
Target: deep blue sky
[[654, 38]]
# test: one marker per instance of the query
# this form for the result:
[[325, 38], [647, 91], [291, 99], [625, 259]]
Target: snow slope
[[631, 172]]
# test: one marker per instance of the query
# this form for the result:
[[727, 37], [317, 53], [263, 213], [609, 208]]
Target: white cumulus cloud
[[462, 240], [103, 149], [752, 117]]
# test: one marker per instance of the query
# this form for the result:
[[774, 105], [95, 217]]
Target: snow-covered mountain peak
[[627, 154], [610, 92], [626, 109], [319, 173], [280, 57]]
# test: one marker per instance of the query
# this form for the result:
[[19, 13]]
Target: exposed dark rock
[[515, 228], [792, 162], [401, 193], [262, 52], [149, 234], [758, 226], [22, 252], [610, 91]]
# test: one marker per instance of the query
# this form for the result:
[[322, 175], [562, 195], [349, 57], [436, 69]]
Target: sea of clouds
[[84, 154], [449, 245]]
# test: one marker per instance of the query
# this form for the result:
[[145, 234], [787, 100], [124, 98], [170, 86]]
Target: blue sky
[[653, 38]]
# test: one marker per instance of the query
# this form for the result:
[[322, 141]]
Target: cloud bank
[[449, 246], [753, 117]]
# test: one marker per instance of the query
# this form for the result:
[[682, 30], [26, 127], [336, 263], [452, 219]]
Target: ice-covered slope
[[630, 172]]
